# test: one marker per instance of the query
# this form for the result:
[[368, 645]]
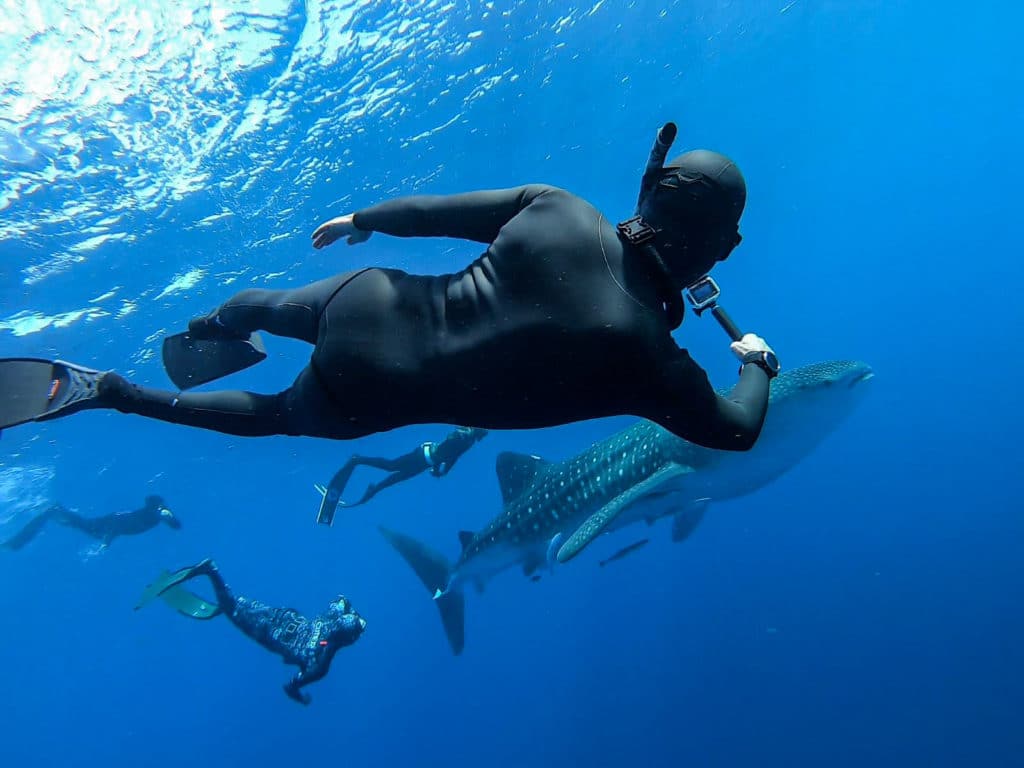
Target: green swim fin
[[167, 586], [189, 604], [33, 389], [164, 581], [190, 362]]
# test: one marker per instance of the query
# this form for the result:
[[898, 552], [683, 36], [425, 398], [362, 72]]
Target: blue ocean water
[[863, 610]]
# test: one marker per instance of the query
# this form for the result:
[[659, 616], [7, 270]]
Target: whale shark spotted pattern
[[642, 473]]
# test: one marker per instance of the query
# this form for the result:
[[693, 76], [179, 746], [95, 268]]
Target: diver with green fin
[[105, 528], [439, 458], [564, 317], [309, 644]]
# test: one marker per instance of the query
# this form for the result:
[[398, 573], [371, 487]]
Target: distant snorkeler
[[564, 317], [439, 458], [310, 644], [105, 528]]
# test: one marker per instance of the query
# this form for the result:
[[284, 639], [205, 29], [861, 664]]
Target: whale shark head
[[807, 405]]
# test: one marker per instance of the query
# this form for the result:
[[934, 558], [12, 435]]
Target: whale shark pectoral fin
[[551, 556], [686, 520], [597, 522]]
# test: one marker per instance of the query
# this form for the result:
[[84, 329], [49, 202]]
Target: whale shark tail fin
[[436, 573]]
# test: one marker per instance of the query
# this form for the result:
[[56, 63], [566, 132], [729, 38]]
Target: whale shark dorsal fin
[[516, 472], [594, 525], [466, 538]]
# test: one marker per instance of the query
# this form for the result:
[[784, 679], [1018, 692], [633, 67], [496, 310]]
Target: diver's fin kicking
[[167, 586], [190, 361], [163, 582], [29, 531], [33, 389], [435, 573], [189, 604], [331, 497]]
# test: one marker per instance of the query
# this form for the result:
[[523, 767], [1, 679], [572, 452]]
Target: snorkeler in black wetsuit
[[439, 458], [309, 644], [105, 528], [564, 317]]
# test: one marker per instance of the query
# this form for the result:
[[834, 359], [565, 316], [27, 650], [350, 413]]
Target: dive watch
[[766, 361]]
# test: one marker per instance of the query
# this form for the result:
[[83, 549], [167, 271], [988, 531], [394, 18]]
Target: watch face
[[772, 361]]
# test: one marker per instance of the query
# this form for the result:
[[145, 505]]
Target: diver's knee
[[247, 296]]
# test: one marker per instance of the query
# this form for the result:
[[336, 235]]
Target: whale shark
[[553, 509]]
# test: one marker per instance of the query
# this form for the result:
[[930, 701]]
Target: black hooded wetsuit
[[439, 458], [309, 644], [557, 321], [104, 528]]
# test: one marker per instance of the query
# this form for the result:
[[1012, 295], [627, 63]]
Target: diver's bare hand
[[749, 343], [342, 226]]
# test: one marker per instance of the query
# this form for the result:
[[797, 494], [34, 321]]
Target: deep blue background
[[863, 610]]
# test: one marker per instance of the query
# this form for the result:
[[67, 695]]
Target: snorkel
[[640, 234], [704, 292]]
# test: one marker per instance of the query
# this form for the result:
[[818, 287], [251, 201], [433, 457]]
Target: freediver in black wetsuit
[[564, 317], [309, 644], [105, 528], [439, 458]]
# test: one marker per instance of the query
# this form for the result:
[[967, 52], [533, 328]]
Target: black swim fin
[[190, 362], [32, 389]]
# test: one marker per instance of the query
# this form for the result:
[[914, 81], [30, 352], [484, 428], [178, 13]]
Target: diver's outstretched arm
[[699, 414], [468, 216], [316, 670]]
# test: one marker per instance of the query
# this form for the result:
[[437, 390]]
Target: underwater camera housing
[[703, 295]]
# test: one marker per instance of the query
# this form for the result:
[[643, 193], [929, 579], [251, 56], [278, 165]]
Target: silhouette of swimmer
[[105, 528], [309, 644]]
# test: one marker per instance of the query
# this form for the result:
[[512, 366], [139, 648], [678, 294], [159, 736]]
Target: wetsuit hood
[[690, 207]]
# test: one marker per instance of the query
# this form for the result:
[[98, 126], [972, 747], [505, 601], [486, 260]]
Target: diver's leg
[[294, 313], [402, 469], [231, 411], [374, 488], [225, 598], [32, 528], [269, 626], [88, 525], [304, 408]]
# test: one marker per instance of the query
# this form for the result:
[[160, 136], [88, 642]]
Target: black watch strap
[[761, 360]]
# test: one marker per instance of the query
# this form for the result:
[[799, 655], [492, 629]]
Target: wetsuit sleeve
[[317, 670], [469, 216], [730, 422], [451, 450]]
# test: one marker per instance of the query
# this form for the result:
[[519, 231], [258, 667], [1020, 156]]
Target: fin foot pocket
[[191, 361], [33, 389]]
